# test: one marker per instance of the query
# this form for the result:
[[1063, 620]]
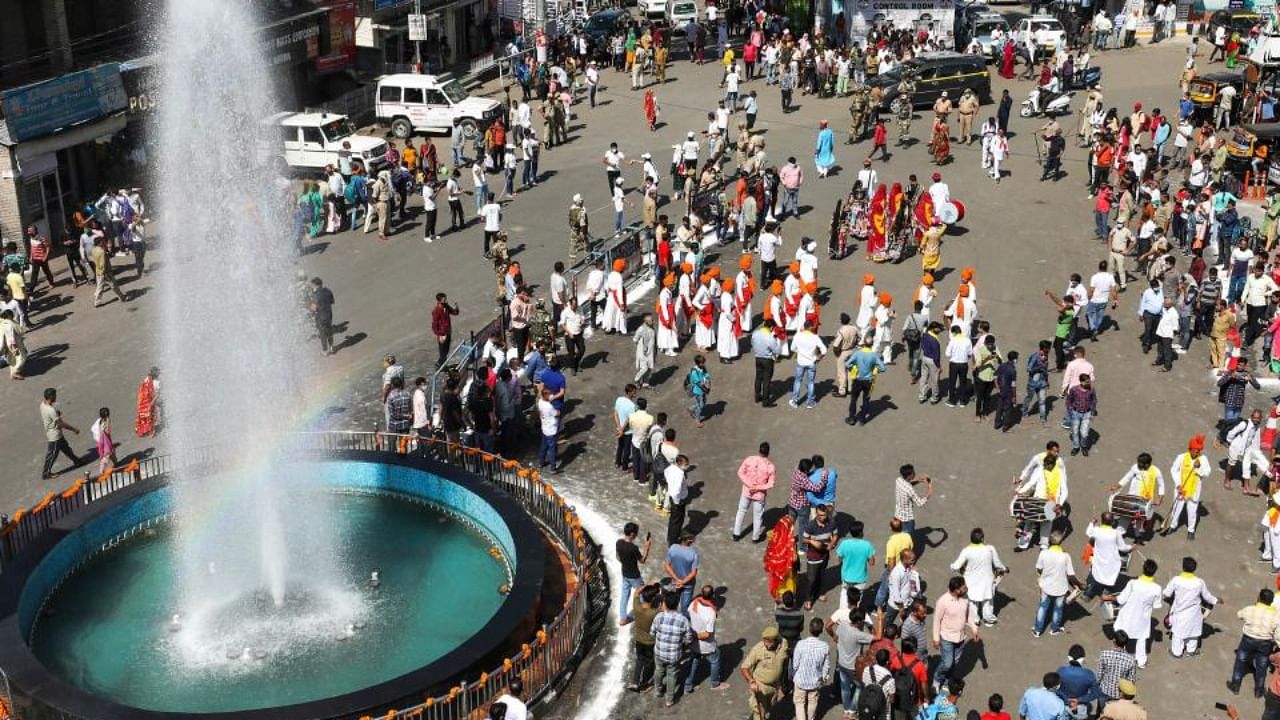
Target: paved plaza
[[1022, 237]]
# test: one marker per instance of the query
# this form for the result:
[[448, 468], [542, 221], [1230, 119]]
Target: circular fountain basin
[[92, 623]]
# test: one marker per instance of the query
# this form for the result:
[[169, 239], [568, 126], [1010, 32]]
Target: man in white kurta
[[981, 565], [804, 311], [1137, 601], [668, 336], [1186, 594], [1244, 449], [704, 329], [882, 341], [615, 303], [868, 299], [743, 290], [726, 331], [1271, 532], [1104, 569], [1188, 473], [808, 262], [1047, 482], [684, 301], [1143, 480]]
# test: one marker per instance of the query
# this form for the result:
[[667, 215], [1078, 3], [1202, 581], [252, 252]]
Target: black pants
[[139, 258], [982, 394], [520, 339], [324, 328], [442, 346], [813, 578], [431, 224], [860, 389], [1004, 411], [786, 101], [768, 271], [675, 522], [51, 450], [1252, 325], [957, 378], [576, 347], [751, 121], [1204, 319], [642, 673], [613, 176], [764, 377], [74, 265], [36, 267], [456, 220], [1149, 322], [1164, 352], [622, 453], [489, 235], [1060, 352]]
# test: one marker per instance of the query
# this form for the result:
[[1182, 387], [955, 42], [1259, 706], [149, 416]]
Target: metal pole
[[417, 44]]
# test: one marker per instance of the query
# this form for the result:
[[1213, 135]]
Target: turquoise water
[[108, 628]]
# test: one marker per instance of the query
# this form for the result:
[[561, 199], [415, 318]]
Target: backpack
[[911, 333], [908, 690], [872, 701]]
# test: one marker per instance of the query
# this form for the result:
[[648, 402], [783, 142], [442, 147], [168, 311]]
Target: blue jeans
[[547, 451], [617, 221], [1100, 224], [1235, 288], [951, 652], [481, 192], [457, 155], [686, 598], [624, 597], [713, 660], [1047, 602], [1040, 396], [803, 380], [699, 407], [1251, 652], [1079, 422], [529, 173], [1095, 313], [849, 687], [791, 198]]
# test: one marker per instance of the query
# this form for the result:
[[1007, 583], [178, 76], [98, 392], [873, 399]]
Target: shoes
[[793, 403], [1084, 451], [989, 623], [1035, 633], [809, 406], [1055, 631], [1075, 451]]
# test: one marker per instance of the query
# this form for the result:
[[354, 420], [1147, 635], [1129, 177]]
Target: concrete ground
[[1022, 236]]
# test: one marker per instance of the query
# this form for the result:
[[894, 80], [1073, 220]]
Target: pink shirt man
[[757, 476], [1071, 375], [951, 615]]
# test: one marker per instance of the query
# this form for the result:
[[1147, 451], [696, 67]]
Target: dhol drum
[[1131, 508], [1030, 512]]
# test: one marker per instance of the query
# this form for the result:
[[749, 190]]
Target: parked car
[[1053, 32], [981, 28], [604, 24], [655, 10], [310, 141], [935, 72], [1241, 21], [680, 12], [412, 103]]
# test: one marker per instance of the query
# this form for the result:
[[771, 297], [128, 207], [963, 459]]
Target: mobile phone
[[648, 536], [1219, 706]]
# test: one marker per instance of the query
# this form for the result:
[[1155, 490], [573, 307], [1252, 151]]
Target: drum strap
[[1190, 480]]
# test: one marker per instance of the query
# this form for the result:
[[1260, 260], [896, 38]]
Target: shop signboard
[[910, 14], [342, 39], [141, 83], [45, 107], [296, 40]]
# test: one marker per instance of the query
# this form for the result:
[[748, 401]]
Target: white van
[[423, 103], [654, 10], [310, 141], [680, 12]]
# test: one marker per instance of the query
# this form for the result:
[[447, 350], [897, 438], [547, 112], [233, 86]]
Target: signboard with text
[[45, 107], [295, 41], [342, 39], [907, 14]]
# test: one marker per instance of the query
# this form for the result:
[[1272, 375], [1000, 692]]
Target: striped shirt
[[905, 500], [670, 633], [1114, 666], [811, 663]]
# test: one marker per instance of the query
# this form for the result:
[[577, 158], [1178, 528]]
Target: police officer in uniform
[[857, 114], [902, 105], [577, 229], [541, 328]]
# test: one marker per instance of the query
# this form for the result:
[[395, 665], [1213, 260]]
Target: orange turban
[[966, 274], [776, 287], [513, 268], [704, 278], [713, 271], [686, 268], [964, 291], [727, 285], [868, 279], [794, 266], [811, 287], [744, 262], [886, 299], [668, 280], [619, 265], [1196, 444], [927, 279]]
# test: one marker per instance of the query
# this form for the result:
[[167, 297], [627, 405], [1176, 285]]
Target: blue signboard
[[384, 4], [45, 107]]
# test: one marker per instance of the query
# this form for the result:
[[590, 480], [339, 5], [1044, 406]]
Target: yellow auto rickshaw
[[1205, 91]]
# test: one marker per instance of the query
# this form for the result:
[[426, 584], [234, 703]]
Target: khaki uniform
[[577, 232], [660, 64], [857, 115], [968, 108], [1123, 709], [843, 345], [903, 107], [769, 668], [1091, 103]]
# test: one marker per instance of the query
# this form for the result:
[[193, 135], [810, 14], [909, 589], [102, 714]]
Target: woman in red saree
[[1006, 61], [145, 424], [780, 558], [941, 142], [878, 216], [651, 110]]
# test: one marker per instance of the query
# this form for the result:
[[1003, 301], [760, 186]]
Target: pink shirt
[[757, 476], [951, 615], [1076, 368], [791, 176]]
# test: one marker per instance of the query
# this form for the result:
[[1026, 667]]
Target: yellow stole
[[1190, 480], [1273, 515], [1052, 480], [1187, 575], [1148, 487]]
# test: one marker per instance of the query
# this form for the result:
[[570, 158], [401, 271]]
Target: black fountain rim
[[29, 677]]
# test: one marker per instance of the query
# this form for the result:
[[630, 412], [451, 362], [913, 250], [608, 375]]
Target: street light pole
[[417, 45]]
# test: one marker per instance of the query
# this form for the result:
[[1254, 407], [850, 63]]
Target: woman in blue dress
[[824, 155]]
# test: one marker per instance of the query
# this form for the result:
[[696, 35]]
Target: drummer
[[1104, 569], [1188, 473], [1037, 460], [1049, 483], [1144, 480]]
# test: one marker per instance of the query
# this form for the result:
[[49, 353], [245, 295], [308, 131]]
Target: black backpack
[[907, 689], [872, 700]]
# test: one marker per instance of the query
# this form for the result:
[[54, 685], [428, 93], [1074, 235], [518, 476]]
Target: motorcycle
[[1042, 102]]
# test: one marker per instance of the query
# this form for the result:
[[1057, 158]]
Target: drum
[[1028, 509], [948, 214], [959, 206], [1133, 508]]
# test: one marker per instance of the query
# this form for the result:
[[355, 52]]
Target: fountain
[[269, 582]]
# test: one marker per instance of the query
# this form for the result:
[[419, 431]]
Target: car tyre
[[469, 129], [401, 128]]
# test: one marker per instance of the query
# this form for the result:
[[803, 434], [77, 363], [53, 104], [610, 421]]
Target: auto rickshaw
[[1205, 92], [1253, 148]]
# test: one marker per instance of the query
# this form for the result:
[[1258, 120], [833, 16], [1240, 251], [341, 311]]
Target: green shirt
[[984, 363], [1066, 319]]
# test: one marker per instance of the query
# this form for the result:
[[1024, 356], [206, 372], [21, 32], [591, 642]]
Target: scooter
[[1040, 102]]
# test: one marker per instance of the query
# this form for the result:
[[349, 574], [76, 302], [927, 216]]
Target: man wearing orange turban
[[744, 289], [867, 301], [668, 339], [963, 311], [882, 321], [925, 294], [966, 279], [1189, 472], [615, 300], [704, 329], [727, 330]]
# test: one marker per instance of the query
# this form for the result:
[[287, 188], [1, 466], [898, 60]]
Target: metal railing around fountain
[[540, 663]]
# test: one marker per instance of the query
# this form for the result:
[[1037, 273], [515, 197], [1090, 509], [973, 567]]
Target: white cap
[[617, 181], [577, 198], [646, 156], [690, 134]]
